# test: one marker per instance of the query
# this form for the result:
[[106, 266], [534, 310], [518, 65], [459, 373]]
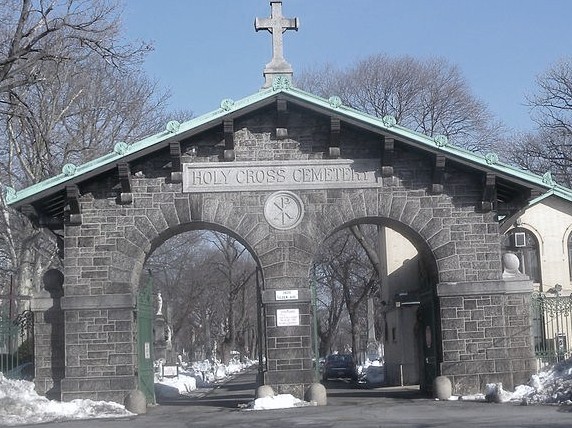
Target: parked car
[[339, 366]]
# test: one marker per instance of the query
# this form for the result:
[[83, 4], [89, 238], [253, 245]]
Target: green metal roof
[[282, 87]]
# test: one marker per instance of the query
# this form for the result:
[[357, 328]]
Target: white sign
[[170, 371], [287, 317], [286, 294], [147, 350]]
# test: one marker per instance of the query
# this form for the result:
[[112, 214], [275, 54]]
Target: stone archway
[[282, 170]]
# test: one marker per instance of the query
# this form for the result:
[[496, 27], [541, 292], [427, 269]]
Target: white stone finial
[[511, 265], [276, 25]]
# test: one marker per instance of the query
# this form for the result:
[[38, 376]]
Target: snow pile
[[552, 385], [20, 404], [172, 387], [202, 374], [280, 401]]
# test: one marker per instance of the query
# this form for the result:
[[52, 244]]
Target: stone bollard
[[317, 393], [135, 402], [264, 391], [442, 388]]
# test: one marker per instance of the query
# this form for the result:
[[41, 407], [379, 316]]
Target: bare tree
[[236, 268], [69, 90], [349, 278], [549, 147], [430, 96], [79, 28], [207, 282]]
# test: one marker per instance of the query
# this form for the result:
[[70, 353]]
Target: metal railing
[[552, 326], [16, 340]]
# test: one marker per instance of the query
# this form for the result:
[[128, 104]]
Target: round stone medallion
[[283, 210]]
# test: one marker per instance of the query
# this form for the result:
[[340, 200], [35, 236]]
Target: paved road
[[348, 406]]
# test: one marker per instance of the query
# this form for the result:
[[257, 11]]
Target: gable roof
[[282, 88]]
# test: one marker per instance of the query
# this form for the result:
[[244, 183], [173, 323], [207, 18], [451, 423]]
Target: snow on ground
[[19, 403], [203, 374], [280, 401]]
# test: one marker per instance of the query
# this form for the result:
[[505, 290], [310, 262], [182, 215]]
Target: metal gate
[[145, 341], [551, 326], [428, 338], [17, 344]]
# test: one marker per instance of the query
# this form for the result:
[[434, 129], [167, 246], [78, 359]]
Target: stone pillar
[[486, 333], [288, 341], [100, 347]]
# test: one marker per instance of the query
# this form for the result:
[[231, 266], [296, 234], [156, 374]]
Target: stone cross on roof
[[276, 25]]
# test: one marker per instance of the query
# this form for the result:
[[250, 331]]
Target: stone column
[[486, 333], [100, 347], [288, 340]]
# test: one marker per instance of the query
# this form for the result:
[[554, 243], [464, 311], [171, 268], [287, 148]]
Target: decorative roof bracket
[[126, 195], [487, 203], [335, 128], [438, 174], [73, 208], [228, 129], [176, 163], [387, 157], [281, 119], [30, 212]]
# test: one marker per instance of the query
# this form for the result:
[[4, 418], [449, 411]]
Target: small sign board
[[286, 294], [147, 350], [171, 371], [287, 317]]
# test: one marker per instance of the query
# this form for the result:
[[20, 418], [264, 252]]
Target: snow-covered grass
[[203, 374]]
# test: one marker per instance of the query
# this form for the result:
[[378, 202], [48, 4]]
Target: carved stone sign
[[245, 176], [283, 210]]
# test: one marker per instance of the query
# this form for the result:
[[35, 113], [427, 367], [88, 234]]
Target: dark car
[[339, 366]]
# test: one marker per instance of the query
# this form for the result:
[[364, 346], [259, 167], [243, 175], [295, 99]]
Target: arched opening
[[203, 289], [375, 285]]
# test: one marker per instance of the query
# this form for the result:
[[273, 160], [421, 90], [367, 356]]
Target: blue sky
[[208, 50]]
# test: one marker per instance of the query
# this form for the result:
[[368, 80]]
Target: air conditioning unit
[[520, 239]]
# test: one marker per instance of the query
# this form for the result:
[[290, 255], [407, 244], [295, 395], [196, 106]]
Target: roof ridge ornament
[[69, 169], [227, 104], [441, 140], [548, 179], [277, 24], [281, 81], [491, 158], [121, 148], [9, 193], [389, 121], [173, 126], [335, 101]]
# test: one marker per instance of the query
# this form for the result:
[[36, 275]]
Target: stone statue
[[159, 304]]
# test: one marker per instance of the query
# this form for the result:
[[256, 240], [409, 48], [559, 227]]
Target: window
[[525, 245]]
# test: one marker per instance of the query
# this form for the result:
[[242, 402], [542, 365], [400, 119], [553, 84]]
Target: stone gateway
[[281, 171]]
